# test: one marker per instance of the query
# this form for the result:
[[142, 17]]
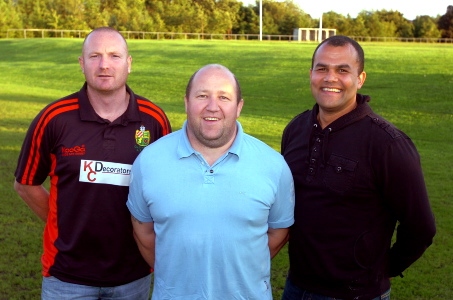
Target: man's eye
[[224, 98]]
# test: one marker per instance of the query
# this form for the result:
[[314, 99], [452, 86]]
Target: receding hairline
[[214, 66], [218, 67], [107, 30]]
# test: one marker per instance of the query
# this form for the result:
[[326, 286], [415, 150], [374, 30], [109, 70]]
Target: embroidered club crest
[[142, 137]]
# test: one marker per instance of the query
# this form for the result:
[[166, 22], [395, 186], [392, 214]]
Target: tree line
[[212, 16]]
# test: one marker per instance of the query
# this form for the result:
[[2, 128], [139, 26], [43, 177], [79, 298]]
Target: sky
[[409, 9]]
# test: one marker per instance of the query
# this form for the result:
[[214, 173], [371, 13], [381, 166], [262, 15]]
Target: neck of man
[[111, 105], [211, 153], [326, 117]]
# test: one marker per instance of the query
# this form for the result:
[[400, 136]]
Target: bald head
[[104, 30], [218, 67], [105, 61]]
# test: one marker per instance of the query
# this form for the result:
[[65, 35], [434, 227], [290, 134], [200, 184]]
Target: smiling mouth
[[331, 90], [211, 119]]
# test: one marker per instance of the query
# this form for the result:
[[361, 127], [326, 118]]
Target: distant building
[[312, 34]]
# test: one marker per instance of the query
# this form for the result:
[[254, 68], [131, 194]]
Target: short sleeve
[[136, 202], [282, 211]]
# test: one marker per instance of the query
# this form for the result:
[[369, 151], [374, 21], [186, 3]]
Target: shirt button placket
[[314, 155]]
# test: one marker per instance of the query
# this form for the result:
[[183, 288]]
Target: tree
[[130, 15], [228, 11], [293, 17], [247, 21], [210, 16], [445, 23], [179, 15], [339, 22], [153, 8], [283, 17], [404, 28], [66, 14], [376, 27], [34, 13], [425, 26], [10, 17], [358, 27], [94, 15]]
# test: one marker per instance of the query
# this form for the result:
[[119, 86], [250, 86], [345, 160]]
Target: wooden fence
[[61, 33]]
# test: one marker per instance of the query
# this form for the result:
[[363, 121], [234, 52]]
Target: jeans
[[54, 289], [292, 292]]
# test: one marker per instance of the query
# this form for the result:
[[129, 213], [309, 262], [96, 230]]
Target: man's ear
[[362, 78]]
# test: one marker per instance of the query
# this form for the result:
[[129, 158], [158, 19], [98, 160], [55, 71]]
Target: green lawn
[[410, 85]]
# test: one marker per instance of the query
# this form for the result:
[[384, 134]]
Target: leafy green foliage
[[410, 85], [208, 16]]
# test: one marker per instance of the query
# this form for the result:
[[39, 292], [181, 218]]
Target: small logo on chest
[[142, 137], [72, 151]]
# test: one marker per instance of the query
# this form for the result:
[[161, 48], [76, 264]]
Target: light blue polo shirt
[[211, 222]]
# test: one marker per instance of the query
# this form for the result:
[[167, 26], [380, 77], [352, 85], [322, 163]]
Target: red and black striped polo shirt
[[88, 235]]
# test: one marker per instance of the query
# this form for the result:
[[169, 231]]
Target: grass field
[[410, 85]]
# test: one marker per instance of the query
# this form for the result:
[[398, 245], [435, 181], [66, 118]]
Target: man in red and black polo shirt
[[86, 143]]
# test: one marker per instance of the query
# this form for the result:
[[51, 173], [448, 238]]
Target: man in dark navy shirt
[[356, 176], [86, 143]]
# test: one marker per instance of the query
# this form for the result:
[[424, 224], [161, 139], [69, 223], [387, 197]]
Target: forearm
[[145, 238], [36, 197], [409, 247], [277, 238]]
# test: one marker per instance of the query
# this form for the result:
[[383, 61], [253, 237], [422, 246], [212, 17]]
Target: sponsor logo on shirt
[[93, 171], [71, 151], [142, 137]]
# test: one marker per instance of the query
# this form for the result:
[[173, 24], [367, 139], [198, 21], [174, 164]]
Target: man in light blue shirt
[[210, 204]]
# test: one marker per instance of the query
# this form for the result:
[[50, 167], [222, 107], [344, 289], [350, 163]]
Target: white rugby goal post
[[312, 34]]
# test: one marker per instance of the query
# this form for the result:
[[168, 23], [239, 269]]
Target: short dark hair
[[238, 86], [340, 41]]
